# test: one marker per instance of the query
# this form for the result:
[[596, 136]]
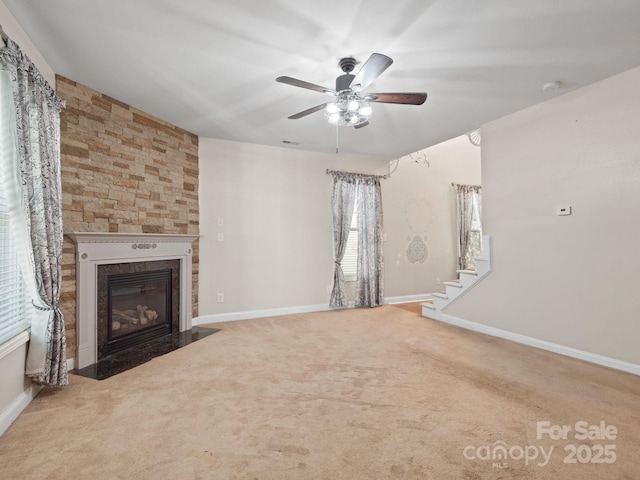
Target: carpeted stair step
[[428, 304], [467, 272], [466, 278]]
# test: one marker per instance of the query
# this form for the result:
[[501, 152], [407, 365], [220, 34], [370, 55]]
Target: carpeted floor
[[355, 394], [413, 307]]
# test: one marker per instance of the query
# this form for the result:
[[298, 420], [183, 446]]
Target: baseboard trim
[[407, 299], [248, 315], [542, 344], [71, 363], [274, 312], [14, 410]]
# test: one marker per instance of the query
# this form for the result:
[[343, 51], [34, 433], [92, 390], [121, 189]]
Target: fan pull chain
[[337, 128]]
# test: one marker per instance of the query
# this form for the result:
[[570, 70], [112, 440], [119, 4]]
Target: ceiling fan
[[350, 106]]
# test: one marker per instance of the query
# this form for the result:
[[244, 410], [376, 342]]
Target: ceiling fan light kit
[[349, 107], [349, 110]]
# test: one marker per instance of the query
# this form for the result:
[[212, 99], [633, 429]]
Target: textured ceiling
[[210, 66]]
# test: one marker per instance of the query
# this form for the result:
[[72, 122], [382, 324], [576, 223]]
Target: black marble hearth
[[130, 358]]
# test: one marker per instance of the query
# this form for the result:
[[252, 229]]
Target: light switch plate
[[563, 210]]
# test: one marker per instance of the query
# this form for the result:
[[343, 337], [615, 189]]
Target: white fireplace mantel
[[95, 248]]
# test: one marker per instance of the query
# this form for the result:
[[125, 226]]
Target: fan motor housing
[[347, 64], [343, 82]]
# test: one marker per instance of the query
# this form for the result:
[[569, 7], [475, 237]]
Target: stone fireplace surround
[[96, 248]]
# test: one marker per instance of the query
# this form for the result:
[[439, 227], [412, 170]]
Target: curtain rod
[[329, 172], [5, 38], [453, 184]]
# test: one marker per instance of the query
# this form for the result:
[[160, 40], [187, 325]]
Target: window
[[475, 235], [14, 302], [350, 259]]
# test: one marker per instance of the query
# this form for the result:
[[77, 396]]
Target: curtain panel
[[342, 200], [36, 118], [466, 197], [370, 271], [370, 276]]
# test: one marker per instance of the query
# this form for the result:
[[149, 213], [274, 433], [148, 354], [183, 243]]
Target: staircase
[[454, 289]]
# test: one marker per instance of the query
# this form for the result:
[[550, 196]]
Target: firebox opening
[[137, 302], [139, 308]]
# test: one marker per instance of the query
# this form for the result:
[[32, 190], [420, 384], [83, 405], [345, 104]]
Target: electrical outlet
[[438, 282], [220, 222], [329, 288], [221, 236], [220, 297]]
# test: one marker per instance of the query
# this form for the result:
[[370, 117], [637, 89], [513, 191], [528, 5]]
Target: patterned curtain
[[370, 277], [37, 139], [343, 199], [468, 197]]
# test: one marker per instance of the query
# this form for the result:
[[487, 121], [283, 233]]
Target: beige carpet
[[359, 394]]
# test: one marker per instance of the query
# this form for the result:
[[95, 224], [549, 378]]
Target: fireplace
[[137, 302], [124, 254]]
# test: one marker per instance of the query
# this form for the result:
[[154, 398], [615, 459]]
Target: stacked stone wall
[[122, 171]]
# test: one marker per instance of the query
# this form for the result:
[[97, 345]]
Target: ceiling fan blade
[[300, 83], [371, 70], [363, 124], [308, 111], [416, 98]]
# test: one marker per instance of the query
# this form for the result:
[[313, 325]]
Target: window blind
[[14, 306], [475, 234], [350, 259]]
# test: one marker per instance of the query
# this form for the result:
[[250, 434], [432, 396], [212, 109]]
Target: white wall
[[16, 389], [420, 201], [569, 280], [276, 207]]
